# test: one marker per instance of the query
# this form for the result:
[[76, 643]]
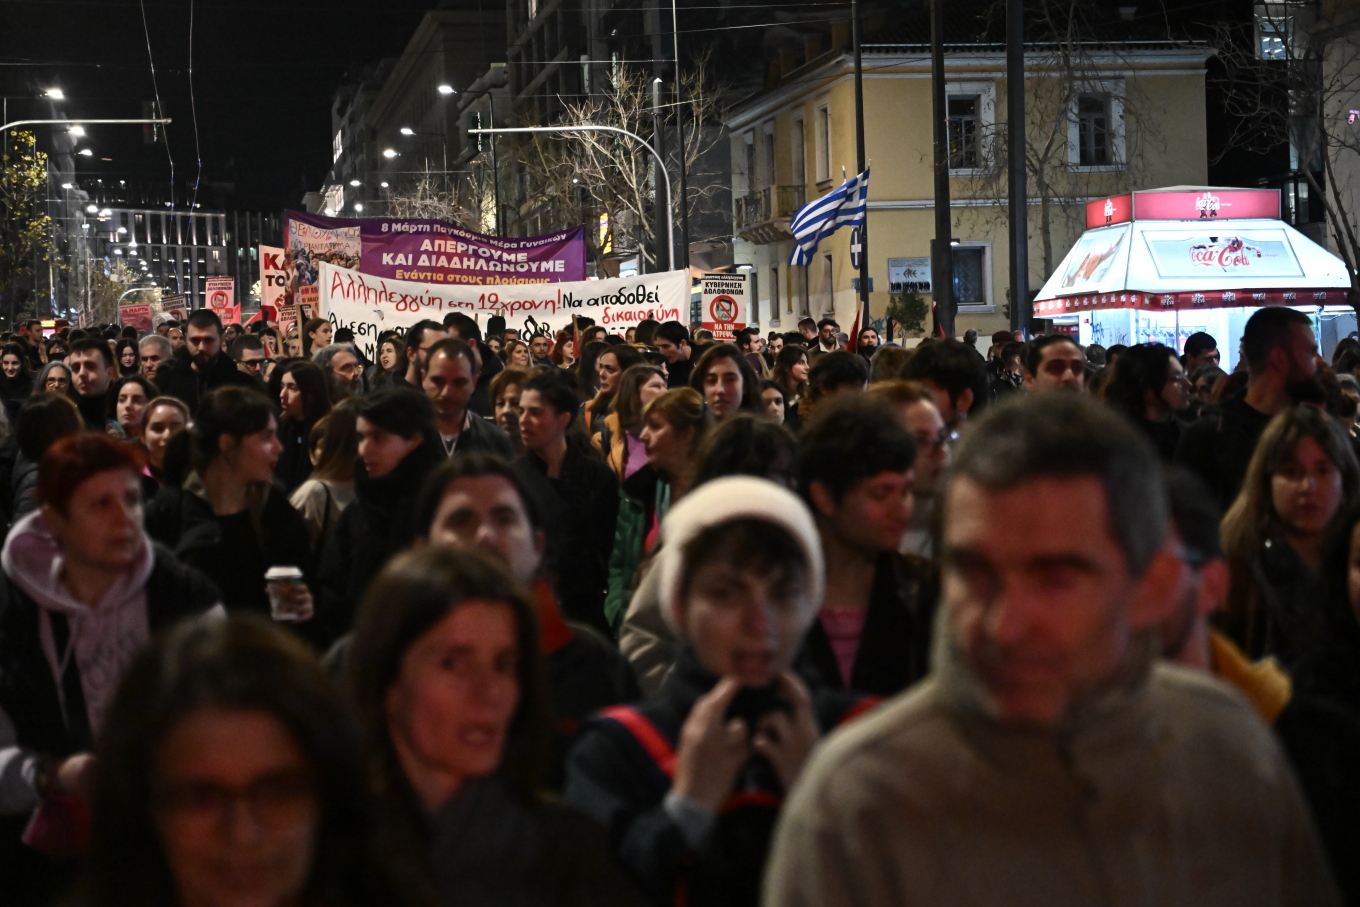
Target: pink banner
[[1205, 299], [1205, 205]]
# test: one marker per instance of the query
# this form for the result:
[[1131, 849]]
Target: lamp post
[[8, 126], [665, 174]]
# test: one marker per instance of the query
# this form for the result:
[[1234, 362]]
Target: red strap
[[858, 709], [646, 733]]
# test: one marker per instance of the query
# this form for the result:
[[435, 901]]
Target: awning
[[1169, 265]]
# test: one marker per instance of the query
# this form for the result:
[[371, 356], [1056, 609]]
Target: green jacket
[[642, 496]]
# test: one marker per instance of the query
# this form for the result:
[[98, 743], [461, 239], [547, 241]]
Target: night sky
[[264, 75]]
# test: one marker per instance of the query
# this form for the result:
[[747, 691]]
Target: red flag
[[853, 343]]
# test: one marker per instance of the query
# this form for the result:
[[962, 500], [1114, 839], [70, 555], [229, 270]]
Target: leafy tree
[[25, 227]]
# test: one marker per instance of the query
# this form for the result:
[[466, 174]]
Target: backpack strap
[[648, 736]]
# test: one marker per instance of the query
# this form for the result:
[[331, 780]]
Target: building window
[[965, 132], [767, 155], [774, 293], [1093, 130], [748, 161], [1274, 33], [970, 275], [798, 175], [823, 140]]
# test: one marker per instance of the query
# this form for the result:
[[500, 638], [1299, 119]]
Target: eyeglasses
[[273, 801]]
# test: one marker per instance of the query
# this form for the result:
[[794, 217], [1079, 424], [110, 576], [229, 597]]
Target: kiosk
[[1159, 265]]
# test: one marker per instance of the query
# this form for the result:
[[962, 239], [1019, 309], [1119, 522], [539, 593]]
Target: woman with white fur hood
[[689, 784]]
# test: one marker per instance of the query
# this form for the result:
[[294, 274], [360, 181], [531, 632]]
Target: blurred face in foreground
[[1045, 618]]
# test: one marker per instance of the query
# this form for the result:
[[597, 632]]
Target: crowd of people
[[646, 618]]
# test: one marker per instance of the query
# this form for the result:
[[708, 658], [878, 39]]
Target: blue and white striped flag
[[845, 206]]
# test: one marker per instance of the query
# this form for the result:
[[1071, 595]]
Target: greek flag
[[819, 219]]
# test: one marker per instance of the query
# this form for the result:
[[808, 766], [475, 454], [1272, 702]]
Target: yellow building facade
[[1099, 122]]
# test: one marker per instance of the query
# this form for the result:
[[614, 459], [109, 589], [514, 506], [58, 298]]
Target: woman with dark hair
[[55, 349], [726, 381], [674, 424], [610, 362], [215, 716], [55, 377], [1148, 385], [588, 372], [772, 401], [563, 352], [380, 373], [127, 401], [44, 419], [504, 390], [791, 374], [334, 442], [315, 334], [125, 356], [620, 439], [447, 679], [303, 399], [162, 420], [1301, 477], [83, 590], [228, 519], [16, 378]]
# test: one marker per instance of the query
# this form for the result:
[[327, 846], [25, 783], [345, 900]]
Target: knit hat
[[723, 501]]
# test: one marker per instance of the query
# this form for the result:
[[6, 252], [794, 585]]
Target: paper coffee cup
[[280, 581]]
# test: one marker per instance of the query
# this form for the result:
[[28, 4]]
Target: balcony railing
[[763, 216]]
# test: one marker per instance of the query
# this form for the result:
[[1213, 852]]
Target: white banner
[[369, 305], [273, 279]]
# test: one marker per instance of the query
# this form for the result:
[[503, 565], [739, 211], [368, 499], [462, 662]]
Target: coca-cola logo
[[1208, 204]]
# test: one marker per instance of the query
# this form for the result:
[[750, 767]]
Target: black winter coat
[[178, 378], [580, 508], [894, 649], [295, 461], [613, 778], [379, 523], [233, 551]]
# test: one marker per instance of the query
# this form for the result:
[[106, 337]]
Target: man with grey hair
[[1049, 758], [152, 352], [340, 364]]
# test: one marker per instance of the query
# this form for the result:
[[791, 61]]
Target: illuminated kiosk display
[[1157, 266]]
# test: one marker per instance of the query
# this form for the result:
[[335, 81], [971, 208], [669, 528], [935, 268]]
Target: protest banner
[[136, 316], [221, 295], [722, 299], [273, 281], [427, 251], [369, 305]]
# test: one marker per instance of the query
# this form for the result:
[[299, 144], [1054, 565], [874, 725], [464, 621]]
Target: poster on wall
[[369, 305], [427, 251], [909, 275]]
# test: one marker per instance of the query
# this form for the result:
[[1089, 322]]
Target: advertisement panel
[[1106, 211], [427, 251], [1091, 265], [369, 305], [1222, 204], [1246, 254], [723, 298]]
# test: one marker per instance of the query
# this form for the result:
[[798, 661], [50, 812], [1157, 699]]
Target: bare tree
[[583, 175], [465, 200], [1292, 78], [1070, 62]]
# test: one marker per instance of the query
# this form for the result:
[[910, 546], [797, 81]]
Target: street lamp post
[[665, 174], [7, 126]]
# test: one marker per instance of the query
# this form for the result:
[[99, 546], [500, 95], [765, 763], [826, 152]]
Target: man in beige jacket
[[1048, 759]]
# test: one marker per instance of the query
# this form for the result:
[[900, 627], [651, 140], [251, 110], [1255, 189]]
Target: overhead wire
[[160, 109], [193, 107]]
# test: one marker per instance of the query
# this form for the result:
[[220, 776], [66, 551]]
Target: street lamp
[[86, 152], [661, 165], [446, 89], [354, 183], [55, 94], [389, 153], [8, 126], [407, 130]]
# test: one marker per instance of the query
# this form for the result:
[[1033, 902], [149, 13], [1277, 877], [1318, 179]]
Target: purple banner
[[429, 251]]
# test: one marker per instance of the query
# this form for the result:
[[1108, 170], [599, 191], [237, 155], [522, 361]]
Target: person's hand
[[787, 739], [712, 750], [75, 775], [297, 602]]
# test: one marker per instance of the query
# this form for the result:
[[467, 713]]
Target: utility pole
[[680, 142], [1015, 139], [859, 152], [658, 139], [941, 257]]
